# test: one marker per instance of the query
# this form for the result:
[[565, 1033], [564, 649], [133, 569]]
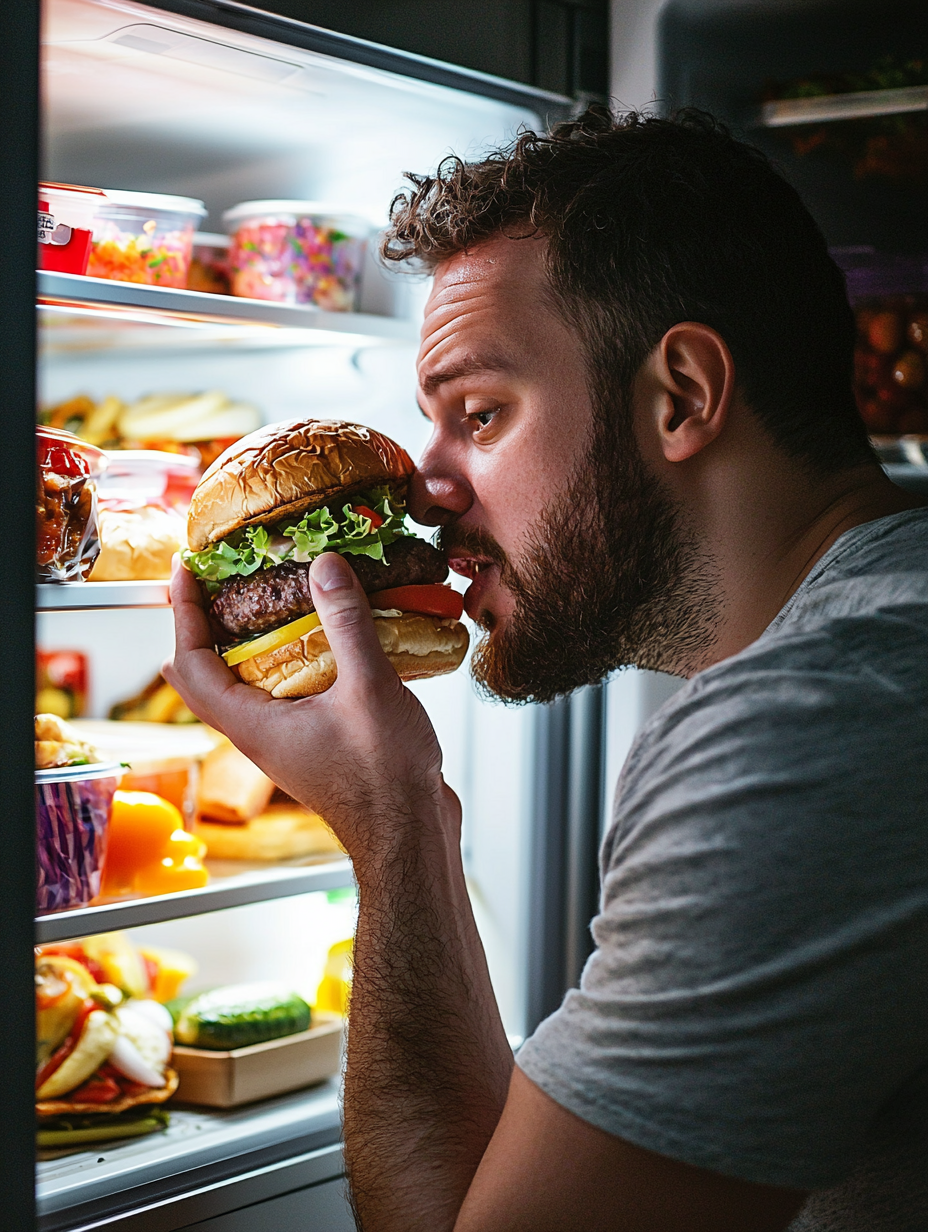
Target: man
[[636, 360]]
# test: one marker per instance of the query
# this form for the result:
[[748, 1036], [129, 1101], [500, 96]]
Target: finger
[[346, 618], [199, 675]]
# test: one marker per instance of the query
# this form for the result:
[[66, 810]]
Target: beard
[[608, 578]]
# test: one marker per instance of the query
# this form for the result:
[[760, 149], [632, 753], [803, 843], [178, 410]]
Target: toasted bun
[[288, 468], [68, 1107], [417, 646]]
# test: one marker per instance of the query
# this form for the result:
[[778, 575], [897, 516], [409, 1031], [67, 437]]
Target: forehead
[[494, 295]]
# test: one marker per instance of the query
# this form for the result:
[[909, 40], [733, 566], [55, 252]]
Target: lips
[[481, 571], [468, 566]]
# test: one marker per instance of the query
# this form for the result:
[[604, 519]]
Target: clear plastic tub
[[144, 237], [296, 252], [67, 543], [136, 478], [72, 814], [66, 214], [209, 269]]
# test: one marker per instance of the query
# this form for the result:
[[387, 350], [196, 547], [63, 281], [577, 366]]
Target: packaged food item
[[241, 1015], [72, 807], [143, 478], [296, 252], [149, 851], [334, 990], [61, 683], [66, 505], [101, 1057], [66, 214], [232, 788], [890, 299], [163, 758], [158, 702], [283, 831], [144, 237], [209, 268], [137, 544]]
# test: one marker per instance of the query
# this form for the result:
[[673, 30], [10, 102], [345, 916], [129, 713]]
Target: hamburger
[[270, 505], [101, 1055]]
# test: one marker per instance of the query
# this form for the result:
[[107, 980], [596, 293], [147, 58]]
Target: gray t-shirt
[[757, 1003]]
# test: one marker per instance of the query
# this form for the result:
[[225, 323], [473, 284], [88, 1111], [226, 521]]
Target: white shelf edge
[[789, 111], [91, 596], [191, 307], [252, 887]]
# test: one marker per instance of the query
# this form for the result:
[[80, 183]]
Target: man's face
[[572, 548]]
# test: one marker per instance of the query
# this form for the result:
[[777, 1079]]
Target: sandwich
[[268, 507], [101, 1057]]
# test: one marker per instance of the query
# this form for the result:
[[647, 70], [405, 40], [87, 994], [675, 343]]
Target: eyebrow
[[464, 367]]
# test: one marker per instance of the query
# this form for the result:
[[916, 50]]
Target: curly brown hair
[[651, 221]]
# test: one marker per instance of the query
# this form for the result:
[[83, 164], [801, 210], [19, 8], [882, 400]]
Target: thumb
[[348, 625]]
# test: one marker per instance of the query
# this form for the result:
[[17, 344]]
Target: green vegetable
[[322, 530], [100, 1126], [240, 1015]]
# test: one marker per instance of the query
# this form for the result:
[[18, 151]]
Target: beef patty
[[246, 606]]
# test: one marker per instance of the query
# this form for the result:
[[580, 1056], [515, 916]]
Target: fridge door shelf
[[89, 596], [786, 112], [257, 885], [81, 315]]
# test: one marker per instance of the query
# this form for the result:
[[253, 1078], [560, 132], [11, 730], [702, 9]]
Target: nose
[[437, 495]]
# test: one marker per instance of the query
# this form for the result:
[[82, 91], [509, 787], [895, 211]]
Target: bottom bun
[[417, 646]]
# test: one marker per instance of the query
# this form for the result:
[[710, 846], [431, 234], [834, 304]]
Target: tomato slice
[[374, 518], [99, 1089], [433, 600]]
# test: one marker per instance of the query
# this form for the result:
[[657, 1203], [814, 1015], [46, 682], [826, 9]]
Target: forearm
[[428, 1061]]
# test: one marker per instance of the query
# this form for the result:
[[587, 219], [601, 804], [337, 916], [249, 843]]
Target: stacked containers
[[144, 237]]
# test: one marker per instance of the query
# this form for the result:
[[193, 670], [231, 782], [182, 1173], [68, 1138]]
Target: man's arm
[[432, 1140]]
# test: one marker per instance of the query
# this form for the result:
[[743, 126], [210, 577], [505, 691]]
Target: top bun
[[285, 469]]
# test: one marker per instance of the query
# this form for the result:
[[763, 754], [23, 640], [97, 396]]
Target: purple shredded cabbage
[[72, 820]]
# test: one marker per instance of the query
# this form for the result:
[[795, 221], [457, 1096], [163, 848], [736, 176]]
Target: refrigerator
[[214, 100]]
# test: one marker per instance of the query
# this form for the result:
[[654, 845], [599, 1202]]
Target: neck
[[766, 535]]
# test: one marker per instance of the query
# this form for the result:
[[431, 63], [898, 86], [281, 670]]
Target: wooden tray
[[227, 1079]]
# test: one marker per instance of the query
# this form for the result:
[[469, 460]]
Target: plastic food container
[[209, 269], [296, 252], [72, 813], [66, 506], [144, 237], [66, 214], [135, 478], [889, 295]]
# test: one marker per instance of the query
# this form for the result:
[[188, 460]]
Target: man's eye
[[484, 417]]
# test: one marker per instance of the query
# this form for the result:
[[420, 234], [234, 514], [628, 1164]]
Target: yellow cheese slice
[[271, 641]]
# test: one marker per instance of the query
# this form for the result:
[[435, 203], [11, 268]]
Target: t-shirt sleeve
[[758, 988]]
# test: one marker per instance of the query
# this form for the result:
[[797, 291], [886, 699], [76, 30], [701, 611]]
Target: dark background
[[557, 45]]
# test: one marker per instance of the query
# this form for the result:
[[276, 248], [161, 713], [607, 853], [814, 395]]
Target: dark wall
[[719, 56], [559, 45]]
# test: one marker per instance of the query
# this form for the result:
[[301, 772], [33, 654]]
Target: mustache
[[469, 539]]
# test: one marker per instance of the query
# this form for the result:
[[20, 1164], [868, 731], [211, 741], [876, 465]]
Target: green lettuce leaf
[[322, 530]]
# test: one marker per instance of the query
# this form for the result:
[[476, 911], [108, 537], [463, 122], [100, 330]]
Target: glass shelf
[[257, 885], [81, 315], [853, 106], [90, 596]]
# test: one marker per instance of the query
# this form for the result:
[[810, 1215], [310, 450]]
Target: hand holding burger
[[275, 501]]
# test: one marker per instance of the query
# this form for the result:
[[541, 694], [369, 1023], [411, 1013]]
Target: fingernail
[[330, 572]]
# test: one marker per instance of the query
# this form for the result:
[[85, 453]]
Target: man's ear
[[692, 381]]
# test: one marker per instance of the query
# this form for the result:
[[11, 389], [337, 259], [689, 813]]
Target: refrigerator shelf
[[85, 315], [257, 885], [853, 106], [89, 596], [208, 1161]]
